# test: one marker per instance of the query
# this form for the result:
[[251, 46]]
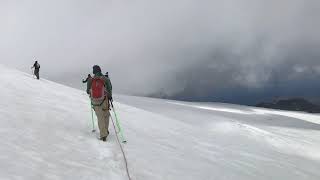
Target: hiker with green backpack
[[100, 91]]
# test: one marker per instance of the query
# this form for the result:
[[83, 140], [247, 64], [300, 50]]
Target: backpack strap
[[94, 105]]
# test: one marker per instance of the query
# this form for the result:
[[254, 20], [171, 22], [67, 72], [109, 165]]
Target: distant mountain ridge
[[291, 104]]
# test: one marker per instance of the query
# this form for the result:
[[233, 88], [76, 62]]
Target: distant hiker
[[100, 91], [36, 67], [86, 80]]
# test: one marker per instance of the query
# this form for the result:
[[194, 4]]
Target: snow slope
[[45, 133]]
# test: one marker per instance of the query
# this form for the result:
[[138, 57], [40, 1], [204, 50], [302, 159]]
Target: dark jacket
[[36, 66]]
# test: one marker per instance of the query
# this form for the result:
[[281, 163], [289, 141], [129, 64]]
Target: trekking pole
[[93, 127], [32, 73], [118, 124]]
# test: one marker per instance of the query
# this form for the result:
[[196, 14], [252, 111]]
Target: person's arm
[[109, 88], [110, 83], [84, 81], [89, 85]]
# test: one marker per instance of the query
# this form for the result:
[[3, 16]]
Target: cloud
[[188, 49]]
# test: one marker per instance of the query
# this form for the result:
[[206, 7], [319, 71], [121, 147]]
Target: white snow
[[45, 131]]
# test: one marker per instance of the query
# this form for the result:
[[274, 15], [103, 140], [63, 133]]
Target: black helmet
[[96, 69]]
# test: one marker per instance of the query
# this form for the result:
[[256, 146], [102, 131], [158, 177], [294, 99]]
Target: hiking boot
[[103, 139]]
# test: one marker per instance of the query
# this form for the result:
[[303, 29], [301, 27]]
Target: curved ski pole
[[32, 73], [93, 126], [118, 124]]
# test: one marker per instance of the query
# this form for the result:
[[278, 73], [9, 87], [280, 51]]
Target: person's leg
[[36, 72], [102, 123], [106, 114]]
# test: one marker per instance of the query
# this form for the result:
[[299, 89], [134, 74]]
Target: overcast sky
[[238, 51]]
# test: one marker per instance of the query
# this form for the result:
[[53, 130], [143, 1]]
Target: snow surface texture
[[46, 134]]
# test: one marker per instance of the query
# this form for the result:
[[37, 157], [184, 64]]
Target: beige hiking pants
[[103, 116]]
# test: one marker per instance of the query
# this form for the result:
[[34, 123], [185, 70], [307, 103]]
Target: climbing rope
[[123, 153]]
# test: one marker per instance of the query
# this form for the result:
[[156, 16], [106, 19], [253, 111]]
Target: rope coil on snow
[[123, 153]]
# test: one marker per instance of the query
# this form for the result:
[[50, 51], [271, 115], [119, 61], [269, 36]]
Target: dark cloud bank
[[238, 51]]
